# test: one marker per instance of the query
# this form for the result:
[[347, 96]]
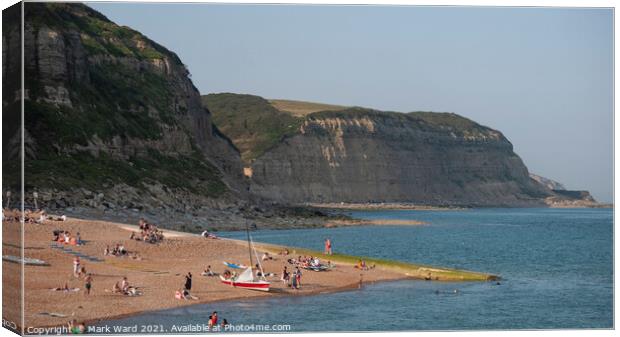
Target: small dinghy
[[246, 279]]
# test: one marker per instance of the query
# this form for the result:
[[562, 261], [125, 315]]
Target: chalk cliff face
[[359, 155], [108, 110], [364, 155]]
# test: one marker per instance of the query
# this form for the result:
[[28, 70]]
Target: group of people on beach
[[185, 294], [148, 233], [119, 250], [29, 216], [123, 287], [65, 237], [308, 262], [79, 271], [292, 280]]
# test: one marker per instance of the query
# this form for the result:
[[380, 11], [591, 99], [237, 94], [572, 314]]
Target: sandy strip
[[375, 222]]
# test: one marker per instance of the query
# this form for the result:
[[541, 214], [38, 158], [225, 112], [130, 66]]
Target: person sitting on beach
[[124, 285], [142, 224], [266, 257], [208, 272], [116, 288], [56, 234], [284, 252], [359, 265]]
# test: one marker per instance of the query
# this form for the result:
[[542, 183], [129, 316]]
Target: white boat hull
[[251, 285]]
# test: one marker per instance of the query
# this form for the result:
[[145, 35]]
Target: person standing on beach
[[76, 266], [188, 281], [328, 246], [88, 283], [285, 275], [298, 277]]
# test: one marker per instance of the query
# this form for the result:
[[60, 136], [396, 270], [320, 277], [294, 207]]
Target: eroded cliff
[[364, 155]]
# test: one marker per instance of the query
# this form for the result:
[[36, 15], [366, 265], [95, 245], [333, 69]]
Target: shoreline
[[159, 272], [350, 287], [383, 206]]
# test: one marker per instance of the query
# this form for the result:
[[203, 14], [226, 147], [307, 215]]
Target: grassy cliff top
[[302, 108], [99, 34], [255, 124]]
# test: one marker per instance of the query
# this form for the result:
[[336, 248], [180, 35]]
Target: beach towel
[[27, 260]]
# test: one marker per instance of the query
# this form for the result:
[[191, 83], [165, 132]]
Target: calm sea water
[[556, 265]]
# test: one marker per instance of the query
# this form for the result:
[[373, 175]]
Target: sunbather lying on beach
[[65, 288], [184, 295]]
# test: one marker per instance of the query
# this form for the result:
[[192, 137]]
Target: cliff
[[548, 183], [112, 119], [363, 155]]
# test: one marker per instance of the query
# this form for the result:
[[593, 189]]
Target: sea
[[556, 268]]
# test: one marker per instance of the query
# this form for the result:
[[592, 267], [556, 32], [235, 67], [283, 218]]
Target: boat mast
[[247, 230], [260, 265]]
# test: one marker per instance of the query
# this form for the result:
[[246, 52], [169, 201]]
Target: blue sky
[[542, 76]]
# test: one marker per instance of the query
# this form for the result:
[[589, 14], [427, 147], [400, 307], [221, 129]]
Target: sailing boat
[[246, 279]]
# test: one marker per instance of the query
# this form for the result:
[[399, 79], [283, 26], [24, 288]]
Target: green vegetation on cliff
[[255, 124], [102, 101], [252, 123]]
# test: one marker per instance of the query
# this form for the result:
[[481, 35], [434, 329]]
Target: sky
[[541, 76]]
